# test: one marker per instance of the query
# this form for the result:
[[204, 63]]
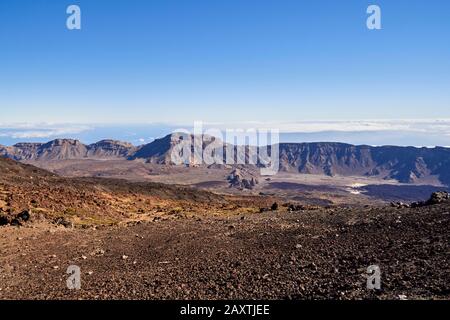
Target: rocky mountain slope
[[42, 195], [405, 164], [64, 149]]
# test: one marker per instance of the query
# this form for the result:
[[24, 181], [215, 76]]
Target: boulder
[[24, 216], [438, 197], [274, 206], [4, 221], [435, 198]]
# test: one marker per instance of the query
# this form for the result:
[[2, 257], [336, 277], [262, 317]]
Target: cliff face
[[110, 149], [65, 149], [161, 150], [326, 158], [405, 164]]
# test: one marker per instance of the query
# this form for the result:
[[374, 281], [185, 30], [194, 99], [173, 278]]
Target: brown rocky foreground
[[155, 241], [315, 254]]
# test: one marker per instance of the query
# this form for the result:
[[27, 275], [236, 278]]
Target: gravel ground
[[319, 254]]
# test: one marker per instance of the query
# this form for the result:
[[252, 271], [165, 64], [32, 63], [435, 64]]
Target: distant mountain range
[[405, 164], [64, 149]]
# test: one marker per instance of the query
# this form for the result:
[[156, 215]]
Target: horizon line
[[169, 134]]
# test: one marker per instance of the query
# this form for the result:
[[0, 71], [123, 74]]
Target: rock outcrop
[[436, 198], [239, 179]]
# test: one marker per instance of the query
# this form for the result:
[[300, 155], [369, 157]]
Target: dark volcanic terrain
[[312, 254], [140, 240]]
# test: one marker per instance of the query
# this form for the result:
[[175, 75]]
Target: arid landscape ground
[[148, 240]]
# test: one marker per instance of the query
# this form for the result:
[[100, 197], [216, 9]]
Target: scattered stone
[[293, 207], [64, 222], [400, 205], [98, 252]]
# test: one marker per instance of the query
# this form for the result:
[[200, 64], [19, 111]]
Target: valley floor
[[313, 189], [318, 254]]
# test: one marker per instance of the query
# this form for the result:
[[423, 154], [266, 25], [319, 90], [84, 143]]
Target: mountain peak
[[113, 142], [61, 142], [110, 149], [159, 151]]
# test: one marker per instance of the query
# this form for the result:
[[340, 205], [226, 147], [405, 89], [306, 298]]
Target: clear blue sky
[[179, 61]]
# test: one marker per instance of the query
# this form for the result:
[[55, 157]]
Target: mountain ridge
[[404, 164], [67, 149]]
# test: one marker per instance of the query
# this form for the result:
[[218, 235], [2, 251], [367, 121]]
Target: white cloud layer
[[42, 130], [380, 131], [418, 126]]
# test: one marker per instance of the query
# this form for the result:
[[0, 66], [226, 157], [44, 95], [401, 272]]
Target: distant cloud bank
[[373, 132], [423, 126], [40, 130]]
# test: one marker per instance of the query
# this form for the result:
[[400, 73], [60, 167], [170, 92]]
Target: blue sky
[[176, 61]]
